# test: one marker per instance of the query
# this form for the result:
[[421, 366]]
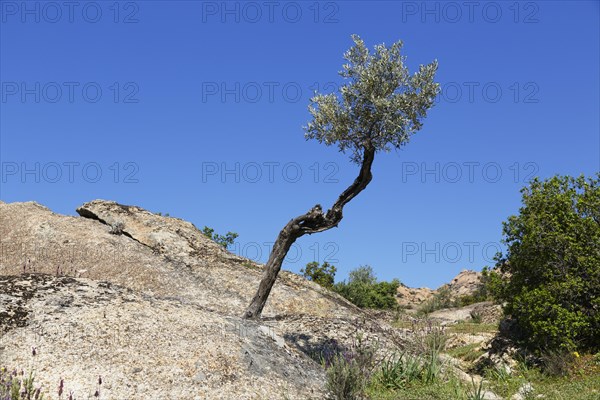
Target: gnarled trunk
[[312, 222]]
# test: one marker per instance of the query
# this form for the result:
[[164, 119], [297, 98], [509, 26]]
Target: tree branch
[[315, 220]]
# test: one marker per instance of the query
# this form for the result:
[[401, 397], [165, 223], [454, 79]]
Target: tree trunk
[[312, 222]]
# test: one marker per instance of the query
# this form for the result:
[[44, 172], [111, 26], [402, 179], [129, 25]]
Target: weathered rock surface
[[152, 305], [412, 297], [465, 283], [143, 347], [488, 312], [448, 316]]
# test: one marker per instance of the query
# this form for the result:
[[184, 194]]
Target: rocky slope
[[152, 306], [412, 297], [463, 284]]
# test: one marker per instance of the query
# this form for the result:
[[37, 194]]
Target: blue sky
[[196, 109]]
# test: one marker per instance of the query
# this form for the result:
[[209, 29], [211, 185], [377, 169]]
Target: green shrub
[[364, 291], [323, 275], [491, 281], [343, 379], [349, 372], [16, 385], [551, 270], [441, 299], [397, 372], [224, 240]]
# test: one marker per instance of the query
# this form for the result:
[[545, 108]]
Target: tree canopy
[[551, 269], [380, 105]]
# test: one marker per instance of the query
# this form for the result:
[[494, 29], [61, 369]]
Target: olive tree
[[379, 106]]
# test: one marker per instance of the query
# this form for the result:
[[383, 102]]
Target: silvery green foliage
[[380, 104]]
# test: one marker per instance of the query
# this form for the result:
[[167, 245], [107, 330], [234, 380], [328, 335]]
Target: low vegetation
[[416, 373], [473, 328], [224, 240], [362, 289], [581, 380], [356, 372], [16, 385], [443, 298], [468, 353], [20, 385]]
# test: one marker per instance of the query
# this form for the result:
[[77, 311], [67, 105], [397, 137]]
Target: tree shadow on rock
[[321, 350]]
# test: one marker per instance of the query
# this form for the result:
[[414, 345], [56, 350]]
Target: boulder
[[152, 305]]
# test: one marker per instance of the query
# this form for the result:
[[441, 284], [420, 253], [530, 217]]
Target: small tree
[[551, 270], [363, 275], [324, 275], [379, 107], [364, 291], [224, 240]]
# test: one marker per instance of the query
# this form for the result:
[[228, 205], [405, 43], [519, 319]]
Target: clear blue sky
[[196, 109]]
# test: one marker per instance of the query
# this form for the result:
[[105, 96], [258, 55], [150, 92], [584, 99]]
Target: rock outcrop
[[153, 306], [412, 297], [466, 283]]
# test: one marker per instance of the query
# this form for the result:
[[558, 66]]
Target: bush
[[421, 363], [491, 282], [224, 240], [349, 372], [18, 385], [551, 270], [398, 371], [323, 275], [441, 299], [364, 291]]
